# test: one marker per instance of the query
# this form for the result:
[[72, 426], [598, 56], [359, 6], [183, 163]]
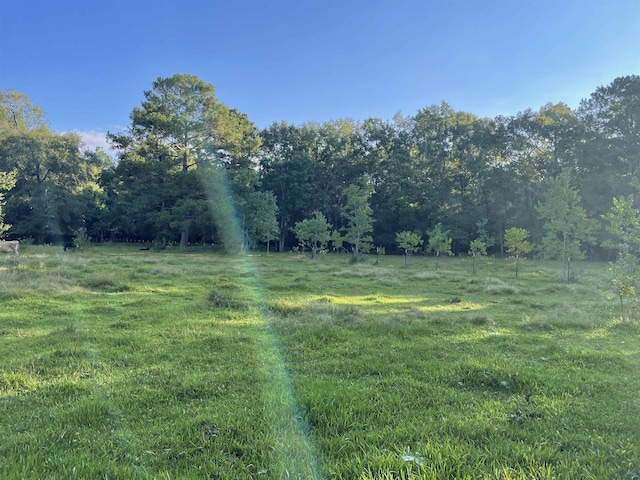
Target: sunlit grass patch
[[452, 307], [287, 306], [14, 383]]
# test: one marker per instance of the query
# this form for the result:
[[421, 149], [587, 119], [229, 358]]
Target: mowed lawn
[[117, 363]]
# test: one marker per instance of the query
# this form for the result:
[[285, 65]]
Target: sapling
[[477, 248], [313, 233], [439, 242], [409, 242], [359, 217], [566, 223], [624, 224], [623, 277], [517, 244]]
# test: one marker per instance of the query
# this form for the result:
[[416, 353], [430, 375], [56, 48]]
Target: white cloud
[[91, 139]]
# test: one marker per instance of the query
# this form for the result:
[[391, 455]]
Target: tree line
[[190, 169]]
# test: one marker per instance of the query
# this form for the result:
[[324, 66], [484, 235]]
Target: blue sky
[[87, 64]]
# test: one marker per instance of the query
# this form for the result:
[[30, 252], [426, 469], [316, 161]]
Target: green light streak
[[293, 452]]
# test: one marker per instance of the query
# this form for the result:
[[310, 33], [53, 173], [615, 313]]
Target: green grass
[[122, 364]]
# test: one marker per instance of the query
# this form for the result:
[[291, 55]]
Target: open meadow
[[118, 363]]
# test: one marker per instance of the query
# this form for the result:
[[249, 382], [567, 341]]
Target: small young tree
[[565, 222], [409, 242], [515, 239], [336, 240], [313, 233], [359, 217], [265, 218], [477, 248], [439, 242], [622, 280], [624, 225]]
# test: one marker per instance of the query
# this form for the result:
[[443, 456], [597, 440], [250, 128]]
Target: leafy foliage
[[622, 282], [313, 233], [409, 242], [7, 181], [359, 217], [624, 223], [261, 218], [179, 135], [186, 157], [439, 242], [517, 244], [55, 184], [565, 222]]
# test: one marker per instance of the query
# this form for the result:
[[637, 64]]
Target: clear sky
[[88, 63]]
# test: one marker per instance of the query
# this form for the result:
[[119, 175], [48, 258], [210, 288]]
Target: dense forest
[[190, 169]]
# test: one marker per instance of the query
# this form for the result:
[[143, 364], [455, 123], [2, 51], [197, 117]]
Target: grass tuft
[[495, 286], [226, 294], [479, 319]]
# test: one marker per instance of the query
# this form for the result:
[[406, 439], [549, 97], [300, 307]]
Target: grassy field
[[118, 363]]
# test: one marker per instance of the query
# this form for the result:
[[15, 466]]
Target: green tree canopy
[[409, 242], [18, 114], [517, 243], [359, 216], [624, 224], [261, 218], [7, 181], [55, 185], [179, 134], [565, 222], [313, 233], [439, 241]]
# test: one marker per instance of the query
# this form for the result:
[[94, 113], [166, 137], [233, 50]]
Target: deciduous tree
[[313, 233], [565, 222], [624, 224], [7, 181], [515, 240], [409, 242], [359, 217], [261, 212], [53, 181], [439, 242]]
